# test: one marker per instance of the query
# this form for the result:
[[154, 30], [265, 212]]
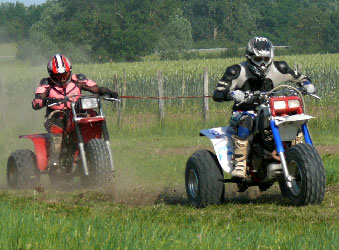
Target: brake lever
[[62, 101], [54, 104], [315, 96]]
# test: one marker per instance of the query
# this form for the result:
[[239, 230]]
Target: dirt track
[[328, 149], [139, 194]]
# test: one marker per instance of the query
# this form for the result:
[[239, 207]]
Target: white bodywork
[[289, 125], [223, 145]]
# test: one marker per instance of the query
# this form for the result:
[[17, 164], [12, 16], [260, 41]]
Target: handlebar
[[50, 102], [252, 97], [257, 96]]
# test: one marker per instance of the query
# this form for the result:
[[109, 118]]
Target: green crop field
[[146, 207]]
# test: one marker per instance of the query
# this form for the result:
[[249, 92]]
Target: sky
[[26, 2]]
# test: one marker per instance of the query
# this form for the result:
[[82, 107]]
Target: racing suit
[[56, 115], [239, 77]]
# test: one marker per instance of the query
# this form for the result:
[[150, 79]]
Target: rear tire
[[22, 170], [204, 179], [305, 164], [99, 167]]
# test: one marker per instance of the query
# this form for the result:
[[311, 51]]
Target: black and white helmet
[[259, 54]]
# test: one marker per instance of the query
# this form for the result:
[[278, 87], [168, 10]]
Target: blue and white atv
[[275, 154]]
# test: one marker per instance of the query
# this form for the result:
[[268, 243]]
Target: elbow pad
[[221, 93]]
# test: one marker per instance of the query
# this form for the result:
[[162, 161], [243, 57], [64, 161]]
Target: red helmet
[[60, 69]]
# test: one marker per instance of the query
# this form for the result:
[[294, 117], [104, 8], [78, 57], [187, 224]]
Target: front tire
[[305, 165], [99, 167], [22, 170], [204, 179]]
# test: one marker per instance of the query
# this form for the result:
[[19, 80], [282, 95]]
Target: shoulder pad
[[232, 72], [44, 81], [282, 67], [81, 77]]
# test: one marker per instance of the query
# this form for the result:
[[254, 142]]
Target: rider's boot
[[55, 141], [239, 157]]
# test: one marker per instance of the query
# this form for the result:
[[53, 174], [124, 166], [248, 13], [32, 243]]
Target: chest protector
[[72, 90]]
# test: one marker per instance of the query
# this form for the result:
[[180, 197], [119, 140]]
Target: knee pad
[[242, 124], [246, 121], [243, 132]]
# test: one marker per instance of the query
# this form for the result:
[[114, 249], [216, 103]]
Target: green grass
[[92, 221], [147, 207], [331, 163]]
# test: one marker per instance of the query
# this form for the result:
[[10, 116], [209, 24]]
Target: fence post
[[161, 102], [205, 99], [117, 104], [124, 89], [183, 86]]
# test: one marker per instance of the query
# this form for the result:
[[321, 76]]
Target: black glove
[[112, 94], [103, 91]]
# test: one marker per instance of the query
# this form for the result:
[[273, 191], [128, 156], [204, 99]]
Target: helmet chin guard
[[259, 54]]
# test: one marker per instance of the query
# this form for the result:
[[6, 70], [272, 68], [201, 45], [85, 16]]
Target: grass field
[[147, 208]]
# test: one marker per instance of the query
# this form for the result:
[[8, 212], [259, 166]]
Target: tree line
[[126, 30]]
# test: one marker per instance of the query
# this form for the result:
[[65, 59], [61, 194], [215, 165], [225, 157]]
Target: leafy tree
[[102, 30], [310, 31], [176, 35]]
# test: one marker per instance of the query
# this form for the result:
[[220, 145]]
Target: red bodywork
[[90, 128], [287, 110], [40, 143]]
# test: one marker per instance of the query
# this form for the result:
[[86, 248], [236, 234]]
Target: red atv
[[85, 152]]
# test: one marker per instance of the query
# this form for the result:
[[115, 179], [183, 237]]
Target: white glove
[[309, 87], [238, 95]]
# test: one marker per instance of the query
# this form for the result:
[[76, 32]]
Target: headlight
[[89, 103], [279, 105], [293, 103]]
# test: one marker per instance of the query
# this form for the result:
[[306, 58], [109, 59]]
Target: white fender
[[223, 145], [289, 125]]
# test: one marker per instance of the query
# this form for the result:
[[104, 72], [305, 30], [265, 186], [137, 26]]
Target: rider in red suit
[[60, 84]]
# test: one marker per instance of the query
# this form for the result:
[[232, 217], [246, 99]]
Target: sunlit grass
[[150, 160]]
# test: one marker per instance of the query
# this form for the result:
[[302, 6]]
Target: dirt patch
[[139, 197], [182, 151], [328, 149]]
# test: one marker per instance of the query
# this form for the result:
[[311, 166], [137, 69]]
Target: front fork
[[80, 141], [106, 138], [81, 148], [280, 148]]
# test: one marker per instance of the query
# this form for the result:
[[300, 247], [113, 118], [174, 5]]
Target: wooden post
[[117, 104], [124, 89], [161, 102], [183, 86], [205, 93], [298, 67]]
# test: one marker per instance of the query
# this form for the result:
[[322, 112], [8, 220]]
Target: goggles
[[259, 59]]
